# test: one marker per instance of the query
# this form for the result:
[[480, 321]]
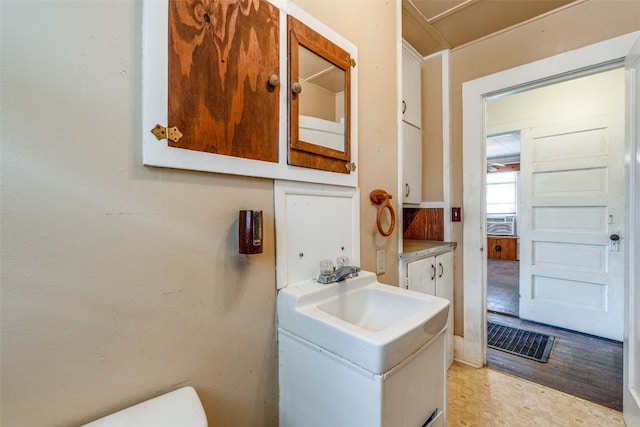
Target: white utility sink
[[372, 325]]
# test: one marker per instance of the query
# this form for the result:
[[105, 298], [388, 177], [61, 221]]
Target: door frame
[[474, 94], [631, 374]]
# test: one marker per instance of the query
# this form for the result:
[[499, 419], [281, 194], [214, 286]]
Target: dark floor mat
[[531, 345]]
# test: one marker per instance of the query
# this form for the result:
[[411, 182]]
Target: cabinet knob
[[296, 87], [274, 80]]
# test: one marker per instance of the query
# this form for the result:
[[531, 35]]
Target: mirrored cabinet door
[[319, 101]]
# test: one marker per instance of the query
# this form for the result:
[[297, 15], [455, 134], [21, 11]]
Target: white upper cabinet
[[412, 164], [411, 91], [411, 126]]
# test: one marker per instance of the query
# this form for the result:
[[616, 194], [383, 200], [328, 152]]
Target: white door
[[631, 394], [422, 276], [572, 198]]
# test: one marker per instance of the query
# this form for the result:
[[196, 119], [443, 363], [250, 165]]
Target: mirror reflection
[[321, 101]]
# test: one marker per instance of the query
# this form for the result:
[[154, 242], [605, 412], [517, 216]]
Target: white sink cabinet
[[361, 353], [322, 389]]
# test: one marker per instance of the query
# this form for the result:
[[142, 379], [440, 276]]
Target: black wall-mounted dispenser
[[250, 232]]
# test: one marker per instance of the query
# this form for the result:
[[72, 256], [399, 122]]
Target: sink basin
[[370, 324], [373, 309]]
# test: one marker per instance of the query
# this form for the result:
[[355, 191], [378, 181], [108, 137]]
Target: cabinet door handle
[[407, 189], [433, 270], [404, 106], [441, 269]]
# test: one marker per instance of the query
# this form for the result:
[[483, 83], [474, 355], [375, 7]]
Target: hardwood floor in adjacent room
[[503, 278], [582, 365]]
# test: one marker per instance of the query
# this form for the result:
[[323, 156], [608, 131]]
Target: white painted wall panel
[[571, 145], [569, 292], [571, 182], [591, 219], [565, 255]]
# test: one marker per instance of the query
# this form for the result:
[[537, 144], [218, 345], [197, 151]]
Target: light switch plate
[[380, 262]]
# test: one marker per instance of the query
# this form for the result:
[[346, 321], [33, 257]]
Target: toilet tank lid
[[181, 407]]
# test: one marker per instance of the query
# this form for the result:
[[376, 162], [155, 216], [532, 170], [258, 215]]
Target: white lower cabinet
[[319, 388], [434, 276]]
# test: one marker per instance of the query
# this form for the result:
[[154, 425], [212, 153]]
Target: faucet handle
[[326, 266], [342, 261]]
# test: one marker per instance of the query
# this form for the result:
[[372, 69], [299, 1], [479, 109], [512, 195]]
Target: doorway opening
[[502, 207], [544, 208]]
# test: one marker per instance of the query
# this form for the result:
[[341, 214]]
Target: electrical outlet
[[380, 262]]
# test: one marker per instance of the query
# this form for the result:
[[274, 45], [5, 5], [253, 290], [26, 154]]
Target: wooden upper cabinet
[[319, 101], [216, 91], [222, 55]]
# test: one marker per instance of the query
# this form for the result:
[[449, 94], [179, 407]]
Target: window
[[502, 193]]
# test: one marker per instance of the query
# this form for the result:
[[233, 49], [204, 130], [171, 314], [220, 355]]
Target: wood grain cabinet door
[[221, 57]]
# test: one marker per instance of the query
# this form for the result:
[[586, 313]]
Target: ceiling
[[434, 25], [504, 148]]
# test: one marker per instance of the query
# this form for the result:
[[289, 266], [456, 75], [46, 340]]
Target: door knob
[[614, 237]]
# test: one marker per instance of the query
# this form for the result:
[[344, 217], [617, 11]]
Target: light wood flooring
[[488, 398]]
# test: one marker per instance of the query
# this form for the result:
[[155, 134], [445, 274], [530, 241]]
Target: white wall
[[120, 281], [582, 24], [587, 96], [378, 43]]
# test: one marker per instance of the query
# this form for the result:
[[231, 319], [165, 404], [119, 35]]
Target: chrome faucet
[[338, 274]]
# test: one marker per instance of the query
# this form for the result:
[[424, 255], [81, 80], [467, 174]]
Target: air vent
[[501, 225]]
